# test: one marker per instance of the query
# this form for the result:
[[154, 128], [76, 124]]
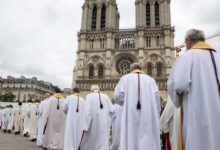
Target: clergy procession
[[136, 119]]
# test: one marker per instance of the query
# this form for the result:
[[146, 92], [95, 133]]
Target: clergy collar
[[58, 95], [203, 45], [96, 91], [137, 71], [76, 94]]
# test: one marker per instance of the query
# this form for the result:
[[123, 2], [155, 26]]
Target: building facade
[[105, 52], [27, 89], [1, 85]]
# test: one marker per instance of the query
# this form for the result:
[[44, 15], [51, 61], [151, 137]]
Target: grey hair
[[195, 35], [135, 66], [95, 87]]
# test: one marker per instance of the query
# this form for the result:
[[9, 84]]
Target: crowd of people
[[136, 119]]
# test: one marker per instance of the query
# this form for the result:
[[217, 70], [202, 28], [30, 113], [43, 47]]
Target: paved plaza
[[12, 142]]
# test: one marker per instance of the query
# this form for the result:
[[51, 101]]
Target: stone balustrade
[[110, 84]]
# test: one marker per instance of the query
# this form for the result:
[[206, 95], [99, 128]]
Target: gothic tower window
[[94, 18], [157, 14], [103, 16], [91, 71], [102, 43], [91, 44], [157, 41], [148, 15], [159, 67], [148, 41], [150, 69], [101, 71]]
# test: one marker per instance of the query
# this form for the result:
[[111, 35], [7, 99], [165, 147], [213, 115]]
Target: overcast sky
[[39, 37]]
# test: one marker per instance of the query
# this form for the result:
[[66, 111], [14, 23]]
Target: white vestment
[[18, 119], [193, 76], [1, 117], [140, 127], [26, 116], [73, 131], [42, 121], [55, 126], [9, 119], [33, 121], [169, 123], [116, 127], [97, 122], [4, 120]]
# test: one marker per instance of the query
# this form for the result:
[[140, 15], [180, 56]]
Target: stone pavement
[[18, 142]]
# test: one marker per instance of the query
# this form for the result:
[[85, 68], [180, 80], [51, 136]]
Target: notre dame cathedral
[[105, 52]]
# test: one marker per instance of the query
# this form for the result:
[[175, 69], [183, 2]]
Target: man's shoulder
[[142, 74]]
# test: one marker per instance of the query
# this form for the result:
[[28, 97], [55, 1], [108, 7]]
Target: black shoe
[[4, 131], [33, 140], [9, 131], [18, 132]]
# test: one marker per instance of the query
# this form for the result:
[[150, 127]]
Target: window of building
[[123, 64], [94, 17], [102, 43], [148, 15], [91, 44], [158, 41], [159, 67], [150, 69], [103, 16], [101, 71], [157, 14], [148, 41], [91, 71]]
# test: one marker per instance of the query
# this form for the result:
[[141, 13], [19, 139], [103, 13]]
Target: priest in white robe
[[169, 123], [26, 118], [33, 121], [116, 127], [18, 119], [1, 118], [42, 119], [56, 122], [74, 108], [4, 119], [96, 126], [9, 119], [194, 86], [139, 95]]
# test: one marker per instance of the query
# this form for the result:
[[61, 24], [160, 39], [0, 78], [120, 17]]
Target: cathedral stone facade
[[105, 52]]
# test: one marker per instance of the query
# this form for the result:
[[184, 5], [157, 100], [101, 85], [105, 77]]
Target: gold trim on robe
[[203, 45], [76, 94], [137, 71], [58, 95]]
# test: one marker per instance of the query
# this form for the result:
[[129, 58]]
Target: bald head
[[135, 66]]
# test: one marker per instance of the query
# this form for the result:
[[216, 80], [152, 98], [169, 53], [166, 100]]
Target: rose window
[[123, 65]]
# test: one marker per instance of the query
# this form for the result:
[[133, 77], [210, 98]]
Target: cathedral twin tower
[[106, 52]]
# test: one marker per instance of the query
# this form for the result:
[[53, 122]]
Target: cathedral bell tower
[[99, 15]]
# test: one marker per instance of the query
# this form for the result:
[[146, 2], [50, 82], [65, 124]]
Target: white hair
[[195, 35], [95, 87]]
